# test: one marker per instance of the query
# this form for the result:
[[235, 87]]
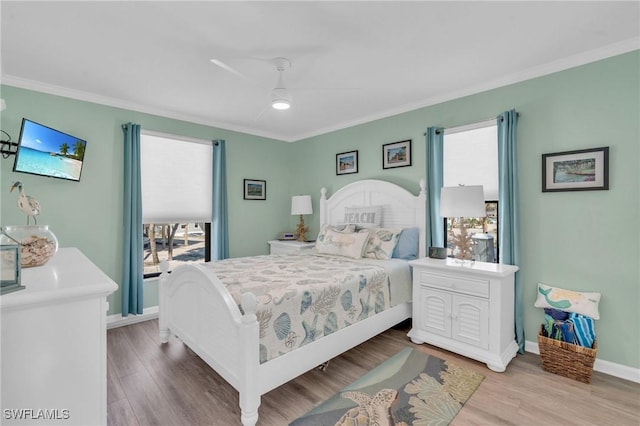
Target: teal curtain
[[435, 153], [132, 279], [508, 210], [219, 223]]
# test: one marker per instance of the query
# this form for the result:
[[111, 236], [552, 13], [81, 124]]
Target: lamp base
[[463, 243], [301, 230]]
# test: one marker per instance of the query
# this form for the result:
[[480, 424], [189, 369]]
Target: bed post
[[422, 215], [323, 206], [163, 312], [249, 387]]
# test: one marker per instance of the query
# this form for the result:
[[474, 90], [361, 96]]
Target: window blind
[[176, 179], [471, 158]]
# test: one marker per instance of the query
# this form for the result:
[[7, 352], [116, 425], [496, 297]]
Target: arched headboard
[[400, 208]]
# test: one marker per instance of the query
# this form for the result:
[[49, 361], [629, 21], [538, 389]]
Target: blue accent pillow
[[407, 246]]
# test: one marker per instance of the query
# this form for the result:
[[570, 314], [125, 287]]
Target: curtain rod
[[471, 124]]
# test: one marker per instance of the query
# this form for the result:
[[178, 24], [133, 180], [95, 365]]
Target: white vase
[[37, 243]]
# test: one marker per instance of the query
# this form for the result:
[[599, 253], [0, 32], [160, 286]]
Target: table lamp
[[462, 201], [300, 205]]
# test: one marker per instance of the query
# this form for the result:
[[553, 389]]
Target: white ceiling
[[352, 62]]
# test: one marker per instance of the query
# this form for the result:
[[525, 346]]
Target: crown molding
[[51, 89], [573, 61], [583, 58]]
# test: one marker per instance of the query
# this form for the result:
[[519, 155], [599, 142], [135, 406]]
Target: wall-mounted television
[[48, 152]]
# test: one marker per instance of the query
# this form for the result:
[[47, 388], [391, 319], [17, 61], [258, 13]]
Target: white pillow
[[568, 301], [364, 217], [346, 229], [381, 243], [342, 244]]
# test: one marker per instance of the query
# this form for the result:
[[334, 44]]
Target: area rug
[[410, 388]]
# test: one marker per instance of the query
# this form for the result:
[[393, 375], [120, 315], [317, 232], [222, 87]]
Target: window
[[176, 176], [471, 158]]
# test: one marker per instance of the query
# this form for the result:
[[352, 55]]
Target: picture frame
[[10, 268], [396, 154], [580, 170], [347, 162], [255, 189]]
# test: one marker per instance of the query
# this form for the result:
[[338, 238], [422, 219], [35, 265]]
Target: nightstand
[[466, 308], [290, 246]]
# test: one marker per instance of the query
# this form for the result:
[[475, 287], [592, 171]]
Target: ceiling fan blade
[[262, 112], [227, 68]]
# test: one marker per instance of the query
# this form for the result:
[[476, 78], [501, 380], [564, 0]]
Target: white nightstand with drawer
[[466, 308], [290, 246]]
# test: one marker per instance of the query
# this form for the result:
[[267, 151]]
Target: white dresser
[[466, 308], [289, 246], [54, 344]]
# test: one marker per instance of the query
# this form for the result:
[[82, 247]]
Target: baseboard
[[118, 320], [606, 367]]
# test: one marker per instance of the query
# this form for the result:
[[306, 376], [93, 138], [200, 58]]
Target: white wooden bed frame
[[196, 307]]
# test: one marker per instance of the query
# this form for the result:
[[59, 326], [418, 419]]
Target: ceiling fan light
[[280, 104], [280, 99]]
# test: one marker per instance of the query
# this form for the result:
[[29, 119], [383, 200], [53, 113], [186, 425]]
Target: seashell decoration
[[346, 300], [36, 251], [37, 243], [282, 326]]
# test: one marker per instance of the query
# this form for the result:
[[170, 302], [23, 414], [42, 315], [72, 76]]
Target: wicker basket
[[566, 359]]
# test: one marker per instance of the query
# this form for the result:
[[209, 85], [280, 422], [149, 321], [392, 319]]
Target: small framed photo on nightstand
[[10, 268]]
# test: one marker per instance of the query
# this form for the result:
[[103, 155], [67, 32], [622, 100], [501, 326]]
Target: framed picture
[[582, 170], [10, 268], [255, 189], [347, 162], [396, 154]]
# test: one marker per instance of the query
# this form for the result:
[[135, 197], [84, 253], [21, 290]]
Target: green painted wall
[[586, 240], [88, 214]]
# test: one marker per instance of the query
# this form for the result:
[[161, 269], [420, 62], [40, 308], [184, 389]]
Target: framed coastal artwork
[[347, 162], [581, 170], [396, 154], [255, 189]]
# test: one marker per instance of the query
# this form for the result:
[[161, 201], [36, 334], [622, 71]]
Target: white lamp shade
[[462, 201], [301, 204]]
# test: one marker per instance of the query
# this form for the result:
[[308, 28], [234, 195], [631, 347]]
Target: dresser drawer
[[475, 287]]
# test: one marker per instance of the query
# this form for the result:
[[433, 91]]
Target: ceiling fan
[[280, 96]]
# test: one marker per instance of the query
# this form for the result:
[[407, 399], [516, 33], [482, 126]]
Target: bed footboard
[[196, 307]]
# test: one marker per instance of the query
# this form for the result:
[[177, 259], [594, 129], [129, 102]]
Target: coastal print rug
[[410, 388]]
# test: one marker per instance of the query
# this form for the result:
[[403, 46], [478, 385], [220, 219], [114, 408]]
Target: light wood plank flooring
[[154, 384]]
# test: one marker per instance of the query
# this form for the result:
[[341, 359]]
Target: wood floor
[[154, 384]]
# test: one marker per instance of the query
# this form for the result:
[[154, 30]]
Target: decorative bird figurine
[[29, 205]]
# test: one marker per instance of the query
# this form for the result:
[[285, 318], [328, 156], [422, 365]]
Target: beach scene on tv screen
[[48, 152]]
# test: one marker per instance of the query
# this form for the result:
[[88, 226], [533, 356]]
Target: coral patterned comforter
[[304, 297]]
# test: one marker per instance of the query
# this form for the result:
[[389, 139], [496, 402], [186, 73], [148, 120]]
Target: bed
[[200, 310]]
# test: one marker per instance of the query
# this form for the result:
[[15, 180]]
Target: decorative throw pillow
[[349, 244], [381, 243], [568, 301], [407, 246], [347, 229], [364, 217]]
